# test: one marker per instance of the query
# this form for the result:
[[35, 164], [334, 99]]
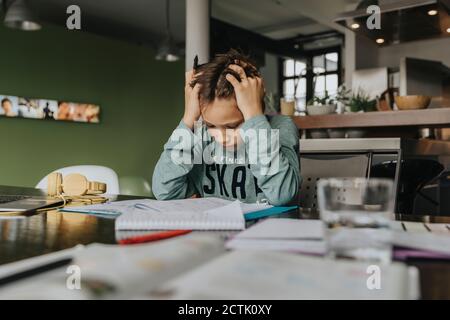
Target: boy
[[259, 156]]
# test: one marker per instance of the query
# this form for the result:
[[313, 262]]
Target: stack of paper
[[410, 239], [294, 235], [276, 275], [423, 240]]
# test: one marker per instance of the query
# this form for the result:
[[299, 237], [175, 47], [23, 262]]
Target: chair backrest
[[92, 173], [317, 166], [135, 186]]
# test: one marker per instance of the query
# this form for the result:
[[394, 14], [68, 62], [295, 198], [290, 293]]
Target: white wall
[[359, 53], [270, 73], [433, 49]]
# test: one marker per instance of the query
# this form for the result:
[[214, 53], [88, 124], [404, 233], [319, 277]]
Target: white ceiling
[[269, 17], [144, 20]]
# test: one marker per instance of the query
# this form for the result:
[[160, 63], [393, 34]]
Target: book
[[420, 240], [282, 234], [268, 212], [410, 239]]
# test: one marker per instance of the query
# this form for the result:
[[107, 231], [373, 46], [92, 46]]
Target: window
[[316, 74], [294, 80]]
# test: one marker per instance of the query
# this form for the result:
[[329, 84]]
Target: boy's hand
[[191, 101], [249, 92]]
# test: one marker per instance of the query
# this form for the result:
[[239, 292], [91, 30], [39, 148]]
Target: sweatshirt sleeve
[[273, 160], [171, 175]]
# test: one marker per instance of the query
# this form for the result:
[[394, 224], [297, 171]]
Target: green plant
[[361, 101], [343, 94], [321, 101]]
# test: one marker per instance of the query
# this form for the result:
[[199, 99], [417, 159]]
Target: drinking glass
[[356, 213]]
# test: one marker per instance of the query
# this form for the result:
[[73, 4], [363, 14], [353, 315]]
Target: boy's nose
[[223, 137]]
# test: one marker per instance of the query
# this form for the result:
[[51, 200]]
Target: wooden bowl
[[412, 102]]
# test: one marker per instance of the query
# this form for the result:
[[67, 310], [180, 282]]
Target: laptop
[[19, 203]]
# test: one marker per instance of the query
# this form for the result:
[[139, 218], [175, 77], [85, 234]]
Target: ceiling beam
[[321, 11], [297, 23]]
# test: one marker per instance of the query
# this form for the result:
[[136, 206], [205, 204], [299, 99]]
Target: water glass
[[357, 213]]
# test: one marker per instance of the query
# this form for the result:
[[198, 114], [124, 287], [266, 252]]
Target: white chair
[[92, 173]]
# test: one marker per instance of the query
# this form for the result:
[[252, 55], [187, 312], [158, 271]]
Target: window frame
[[308, 58]]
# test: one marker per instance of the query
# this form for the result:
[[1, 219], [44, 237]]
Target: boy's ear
[[202, 107]]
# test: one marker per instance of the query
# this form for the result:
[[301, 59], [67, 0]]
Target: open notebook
[[188, 214], [191, 214]]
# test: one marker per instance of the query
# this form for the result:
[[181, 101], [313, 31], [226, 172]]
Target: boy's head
[[219, 109]]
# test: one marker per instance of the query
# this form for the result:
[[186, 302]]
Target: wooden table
[[53, 231]]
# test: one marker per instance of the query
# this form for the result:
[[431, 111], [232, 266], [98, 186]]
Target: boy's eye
[[233, 126]]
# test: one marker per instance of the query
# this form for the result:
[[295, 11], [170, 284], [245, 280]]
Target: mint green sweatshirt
[[269, 173]]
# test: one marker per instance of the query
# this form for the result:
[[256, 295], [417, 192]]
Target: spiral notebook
[[188, 214]]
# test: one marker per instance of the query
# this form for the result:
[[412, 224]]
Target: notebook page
[[155, 206], [252, 207], [293, 235], [291, 229], [190, 214]]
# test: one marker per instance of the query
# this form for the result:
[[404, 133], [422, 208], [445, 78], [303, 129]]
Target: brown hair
[[212, 76]]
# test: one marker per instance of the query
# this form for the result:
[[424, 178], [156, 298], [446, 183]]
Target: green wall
[[141, 102]]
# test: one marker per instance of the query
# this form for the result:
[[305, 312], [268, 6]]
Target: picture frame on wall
[[45, 109]]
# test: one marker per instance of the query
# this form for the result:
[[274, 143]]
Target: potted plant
[[359, 102], [321, 105]]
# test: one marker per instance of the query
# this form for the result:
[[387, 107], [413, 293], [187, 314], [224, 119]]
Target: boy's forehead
[[222, 111]]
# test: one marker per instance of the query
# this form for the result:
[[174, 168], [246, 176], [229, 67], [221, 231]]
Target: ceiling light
[[432, 12], [448, 30], [167, 49], [19, 16], [380, 40], [354, 25]]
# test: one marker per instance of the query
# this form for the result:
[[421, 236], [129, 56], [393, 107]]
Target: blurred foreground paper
[[274, 275], [113, 271]]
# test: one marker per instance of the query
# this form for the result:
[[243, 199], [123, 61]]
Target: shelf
[[435, 117], [425, 147]]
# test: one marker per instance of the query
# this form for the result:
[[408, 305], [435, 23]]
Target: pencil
[[35, 271], [154, 237]]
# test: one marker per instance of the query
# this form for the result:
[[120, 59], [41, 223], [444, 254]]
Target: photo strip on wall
[[18, 107]]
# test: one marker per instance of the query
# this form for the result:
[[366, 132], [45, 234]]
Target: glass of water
[[356, 213]]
